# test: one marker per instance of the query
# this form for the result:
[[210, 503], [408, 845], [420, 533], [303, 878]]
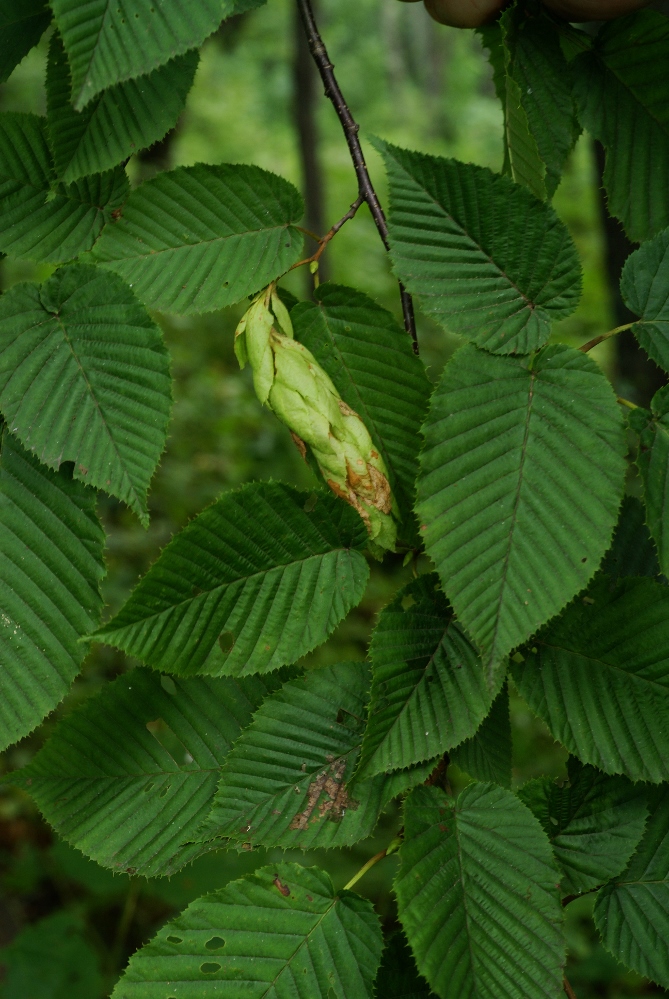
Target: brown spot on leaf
[[330, 784], [284, 889]]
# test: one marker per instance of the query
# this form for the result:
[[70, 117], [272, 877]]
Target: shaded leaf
[[84, 377], [398, 976], [22, 24], [281, 932], [486, 756], [487, 259], [644, 286], [524, 161], [652, 460], [51, 564], [51, 959], [632, 551], [508, 446], [600, 678], [477, 895], [255, 582]]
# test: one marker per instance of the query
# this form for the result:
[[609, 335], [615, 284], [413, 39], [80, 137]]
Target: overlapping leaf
[[501, 501], [119, 122], [281, 933], [600, 678], [200, 238], [632, 551], [622, 91], [594, 823], [51, 564], [128, 777], [653, 463], [487, 754], [429, 690], [644, 286], [477, 895], [22, 24], [41, 219], [84, 377], [287, 780], [256, 581], [398, 976], [370, 360], [486, 258], [632, 913]]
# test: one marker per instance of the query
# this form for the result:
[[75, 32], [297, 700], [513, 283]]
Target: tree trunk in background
[[305, 98], [636, 375]]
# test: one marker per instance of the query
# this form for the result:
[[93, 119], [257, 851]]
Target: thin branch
[[351, 129], [626, 402], [568, 989], [604, 336]]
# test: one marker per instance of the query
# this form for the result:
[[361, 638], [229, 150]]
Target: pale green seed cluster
[[289, 379]]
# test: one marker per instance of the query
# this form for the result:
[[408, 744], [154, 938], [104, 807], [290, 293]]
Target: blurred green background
[[67, 927]]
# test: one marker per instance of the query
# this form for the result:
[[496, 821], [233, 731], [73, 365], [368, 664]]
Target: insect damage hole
[[209, 968], [226, 641], [215, 943]]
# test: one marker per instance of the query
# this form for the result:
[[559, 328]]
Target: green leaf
[[255, 582], [633, 551], [429, 691], [129, 776], [280, 933], [110, 41], [51, 959], [51, 564], [644, 286], [487, 259], [22, 24], [203, 237], [508, 446], [370, 360], [398, 976], [120, 121], [652, 460], [632, 913], [600, 678], [594, 823], [41, 219], [525, 164], [287, 780], [477, 895], [84, 377], [486, 756], [622, 91]]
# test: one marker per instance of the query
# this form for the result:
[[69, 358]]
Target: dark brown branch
[[568, 989], [351, 129]]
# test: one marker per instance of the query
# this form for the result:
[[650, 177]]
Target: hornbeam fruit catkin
[[289, 380]]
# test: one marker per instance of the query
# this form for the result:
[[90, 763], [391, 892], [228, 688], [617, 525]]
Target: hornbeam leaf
[[487, 754], [398, 976], [84, 377], [632, 551], [600, 678], [51, 564], [287, 780], [622, 91], [129, 776], [370, 360], [203, 237], [652, 460], [509, 444], [477, 895], [594, 823], [255, 582], [119, 122], [22, 24], [487, 259], [644, 286], [41, 219], [632, 913], [524, 162], [280, 933], [429, 691]]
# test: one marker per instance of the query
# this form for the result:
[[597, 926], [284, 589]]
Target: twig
[[604, 336], [324, 240], [392, 847], [568, 989], [351, 129], [626, 402]]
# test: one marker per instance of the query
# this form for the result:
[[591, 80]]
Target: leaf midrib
[[152, 254]]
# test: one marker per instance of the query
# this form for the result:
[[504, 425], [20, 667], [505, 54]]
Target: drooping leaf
[[477, 895], [128, 777], [255, 582], [84, 377], [370, 360], [286, 781], [523, 161], [487, 754], [652, 460], [22, 24], [632, 913], [622, 91], [486, 258], [398, 976], [600, 678], [280, 933], [429, 690], [509, 444], [203, 237], [120, 121], [41, 219], [51, 959], [593, 821], [644, 286], [51, 564], [110, 41], [632, 551]]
